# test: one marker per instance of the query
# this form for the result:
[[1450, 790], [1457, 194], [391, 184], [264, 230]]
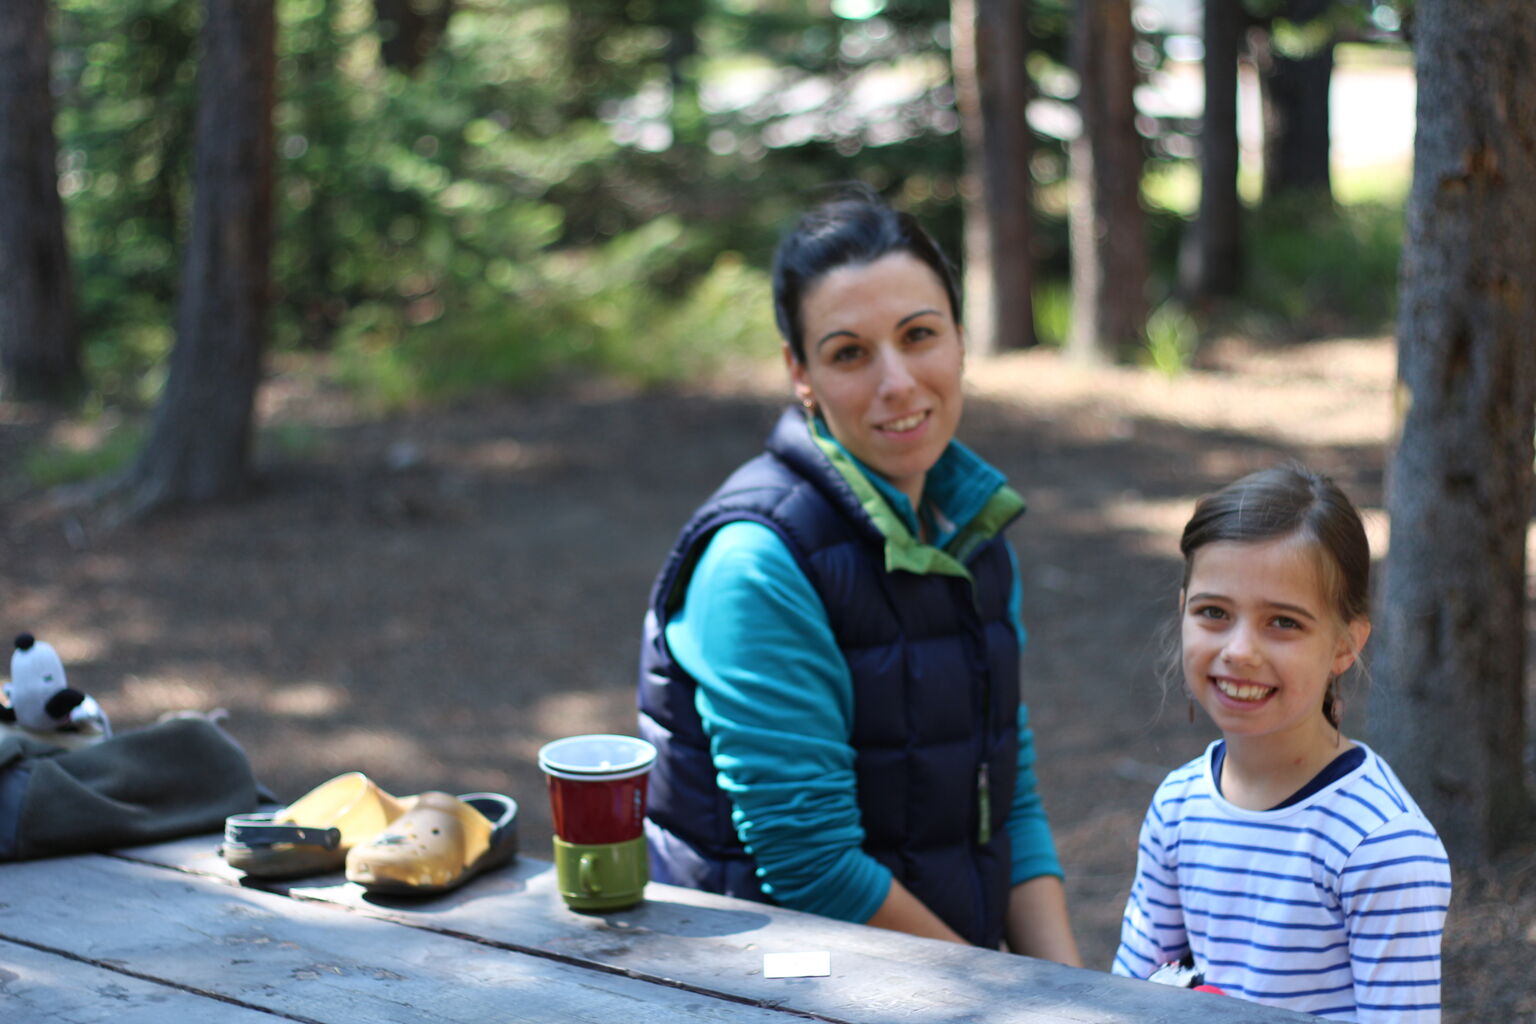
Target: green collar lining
[[903, 550]]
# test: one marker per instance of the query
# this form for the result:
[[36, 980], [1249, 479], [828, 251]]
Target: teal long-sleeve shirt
[[751, 620]]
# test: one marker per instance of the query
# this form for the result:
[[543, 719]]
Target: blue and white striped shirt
[[1333, 906]]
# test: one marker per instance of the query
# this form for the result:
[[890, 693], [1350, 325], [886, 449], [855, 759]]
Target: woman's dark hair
[[1292, 501], [856, 227]]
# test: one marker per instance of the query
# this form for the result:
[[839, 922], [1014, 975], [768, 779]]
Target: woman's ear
[[798, 377], [1351, 643]]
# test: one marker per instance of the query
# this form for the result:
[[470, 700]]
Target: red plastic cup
[[597, 787]]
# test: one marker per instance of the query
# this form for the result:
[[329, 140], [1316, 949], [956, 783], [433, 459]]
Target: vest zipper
[[983, 774], [984, 803]]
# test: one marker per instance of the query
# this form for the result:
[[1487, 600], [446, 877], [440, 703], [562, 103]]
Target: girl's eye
[[1210, 611], [920, 333], [1286, 622]]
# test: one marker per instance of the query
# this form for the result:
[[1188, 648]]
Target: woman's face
[[883, 361]]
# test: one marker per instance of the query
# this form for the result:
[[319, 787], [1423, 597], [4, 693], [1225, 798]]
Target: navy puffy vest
[[934, 661]]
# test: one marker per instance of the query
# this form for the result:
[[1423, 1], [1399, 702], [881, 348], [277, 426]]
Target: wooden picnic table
[[168, 933]]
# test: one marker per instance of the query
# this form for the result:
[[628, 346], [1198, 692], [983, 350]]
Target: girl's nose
[[1241, 647]]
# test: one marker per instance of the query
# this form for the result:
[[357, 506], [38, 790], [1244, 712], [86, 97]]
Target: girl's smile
[[1242, 691]]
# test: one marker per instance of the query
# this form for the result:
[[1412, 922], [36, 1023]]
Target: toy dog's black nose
[[24, 642]]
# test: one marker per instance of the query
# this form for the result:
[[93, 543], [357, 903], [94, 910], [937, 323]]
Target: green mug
[[601, 876]]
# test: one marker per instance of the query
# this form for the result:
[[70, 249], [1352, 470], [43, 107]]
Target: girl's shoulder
[[1194, 772], [1384, 803], [1188, 782]]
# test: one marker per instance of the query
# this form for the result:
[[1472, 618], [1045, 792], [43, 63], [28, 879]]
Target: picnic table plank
[[313, 962], [715, 943], [36, 985]]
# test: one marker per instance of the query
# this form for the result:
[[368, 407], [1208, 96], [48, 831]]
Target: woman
[[830, 666]]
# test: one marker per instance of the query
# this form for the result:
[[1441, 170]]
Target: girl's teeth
[[907, 424], [1244, 691]]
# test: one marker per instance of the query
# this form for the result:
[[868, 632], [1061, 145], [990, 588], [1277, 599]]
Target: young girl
[[1288, 862]]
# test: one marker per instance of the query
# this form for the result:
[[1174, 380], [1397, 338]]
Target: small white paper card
[[797, 965]]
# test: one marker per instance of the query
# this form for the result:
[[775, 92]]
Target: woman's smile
[[904, 425]]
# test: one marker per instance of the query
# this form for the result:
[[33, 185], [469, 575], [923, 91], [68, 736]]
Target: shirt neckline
[[1299, 800]]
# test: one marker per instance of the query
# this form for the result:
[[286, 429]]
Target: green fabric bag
[[180, 777]]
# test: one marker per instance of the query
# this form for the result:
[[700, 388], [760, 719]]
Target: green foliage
[[586, 312], [108, 450], [550, 191], [125, 72], [1314, 267], [1053, 312], [1172, 337], [563, 186]]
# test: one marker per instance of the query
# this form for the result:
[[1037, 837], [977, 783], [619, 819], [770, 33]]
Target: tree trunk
[[409, 30], [1211, 262], [992, 90], [1295, 94], [1109, 254], [199, 447], [1448, 709], [587, 21], [39, 330]]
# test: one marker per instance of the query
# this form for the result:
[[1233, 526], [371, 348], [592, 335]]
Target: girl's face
[[883, 361], [1261, 639]]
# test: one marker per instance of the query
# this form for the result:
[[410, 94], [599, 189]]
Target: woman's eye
[[1210, 611], [847, 354], [920, 333], [1286, 622]]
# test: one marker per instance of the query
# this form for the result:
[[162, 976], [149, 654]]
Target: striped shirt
[[1333, 906]]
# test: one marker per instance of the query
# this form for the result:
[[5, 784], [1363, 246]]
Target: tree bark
[[39, 329], [409, 30], [1211, 262], [1296, 123], [1448, 710], [992, 91], [200, 444], [1108, 233]]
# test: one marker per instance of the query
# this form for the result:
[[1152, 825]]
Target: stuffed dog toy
[[41, 699]]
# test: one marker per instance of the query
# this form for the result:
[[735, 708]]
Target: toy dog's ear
[[63, 702]]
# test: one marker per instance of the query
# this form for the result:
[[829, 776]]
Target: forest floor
[[429, 597]]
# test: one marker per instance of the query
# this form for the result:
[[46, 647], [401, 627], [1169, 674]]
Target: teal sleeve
[[776, 701], [1034, 851]]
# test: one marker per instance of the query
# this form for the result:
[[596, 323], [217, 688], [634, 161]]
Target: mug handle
[[586, 874]]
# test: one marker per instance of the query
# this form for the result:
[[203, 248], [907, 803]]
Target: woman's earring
[[809, 403]]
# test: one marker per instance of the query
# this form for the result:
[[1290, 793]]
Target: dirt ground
[[428, 598]]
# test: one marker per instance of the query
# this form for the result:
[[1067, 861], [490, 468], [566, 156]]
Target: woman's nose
[[895, 375]]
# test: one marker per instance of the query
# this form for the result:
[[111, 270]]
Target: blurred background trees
[[472, 194], [39, 334]]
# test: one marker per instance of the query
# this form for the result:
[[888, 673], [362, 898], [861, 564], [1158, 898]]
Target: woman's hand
[[1037, 921], [904, 912]]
